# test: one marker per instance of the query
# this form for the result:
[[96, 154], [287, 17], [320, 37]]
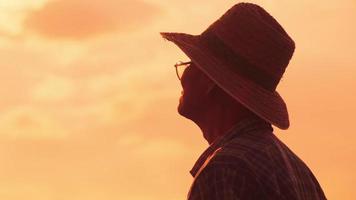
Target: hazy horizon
[[89, 96]]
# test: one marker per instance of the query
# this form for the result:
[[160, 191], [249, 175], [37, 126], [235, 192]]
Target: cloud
[[28, 123], [53, 88], [143, 146], [163, 148], [77, 19]]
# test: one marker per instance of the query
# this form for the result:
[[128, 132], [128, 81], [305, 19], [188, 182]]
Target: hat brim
[[264, 103]]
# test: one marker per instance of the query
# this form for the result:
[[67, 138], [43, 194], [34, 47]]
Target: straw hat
[[245, 52]]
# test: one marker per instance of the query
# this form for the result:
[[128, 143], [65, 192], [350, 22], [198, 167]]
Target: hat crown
[[254, 35]]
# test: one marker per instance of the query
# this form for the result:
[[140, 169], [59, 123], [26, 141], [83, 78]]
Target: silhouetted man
[[229, 91]]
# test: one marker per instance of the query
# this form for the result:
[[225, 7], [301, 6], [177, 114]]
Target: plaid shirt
[[250, 162]]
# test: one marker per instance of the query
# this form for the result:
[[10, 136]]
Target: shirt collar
[[246, 125]]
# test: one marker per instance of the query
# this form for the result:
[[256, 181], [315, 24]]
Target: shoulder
[[229, 159], [226, 165], [223, 179], [244, 147]]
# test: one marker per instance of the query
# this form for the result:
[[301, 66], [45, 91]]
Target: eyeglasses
[[180, 67]]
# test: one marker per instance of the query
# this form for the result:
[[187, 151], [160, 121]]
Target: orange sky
[[89, 96]]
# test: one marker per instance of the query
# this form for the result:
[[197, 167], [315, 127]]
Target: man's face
[[194, 99]]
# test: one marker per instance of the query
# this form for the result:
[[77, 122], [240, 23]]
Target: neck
[[217, 122]]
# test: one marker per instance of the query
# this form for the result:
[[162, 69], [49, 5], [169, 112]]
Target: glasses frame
[[180, 63]]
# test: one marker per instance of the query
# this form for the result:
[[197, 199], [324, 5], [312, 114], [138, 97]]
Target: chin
[[189, 108], [182, 108]]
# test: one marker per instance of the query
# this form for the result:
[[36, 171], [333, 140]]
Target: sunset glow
[[89, 96]]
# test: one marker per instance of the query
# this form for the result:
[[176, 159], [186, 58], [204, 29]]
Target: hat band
[[237, 63]]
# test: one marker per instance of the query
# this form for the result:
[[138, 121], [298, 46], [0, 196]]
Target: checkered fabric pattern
[[250, 162]]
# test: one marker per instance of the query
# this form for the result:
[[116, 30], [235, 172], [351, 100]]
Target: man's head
[[201, 97], [196, 87]]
